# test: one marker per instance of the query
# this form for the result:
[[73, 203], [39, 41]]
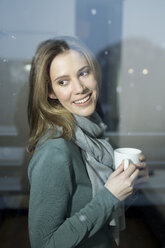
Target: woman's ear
[[52, 95]]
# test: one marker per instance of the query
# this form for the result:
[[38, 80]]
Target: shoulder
[[53, 155], [55, 145], [52, 144]]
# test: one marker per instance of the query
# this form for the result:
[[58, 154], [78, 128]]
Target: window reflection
[[128, 39]]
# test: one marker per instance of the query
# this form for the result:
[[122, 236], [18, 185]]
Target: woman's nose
[[78, 86]]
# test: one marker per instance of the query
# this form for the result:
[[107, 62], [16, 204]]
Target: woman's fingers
[[142, 158], [121, 182], [143, 172], [119, 170], [141, 166], [134, 175], [130, 170]]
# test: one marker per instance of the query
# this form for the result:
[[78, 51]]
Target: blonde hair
[[45, 113]]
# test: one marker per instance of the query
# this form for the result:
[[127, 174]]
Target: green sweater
[[62, 213]]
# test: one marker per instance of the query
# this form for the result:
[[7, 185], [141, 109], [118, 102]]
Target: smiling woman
[[76, 197], [56, 78], [73, 83]]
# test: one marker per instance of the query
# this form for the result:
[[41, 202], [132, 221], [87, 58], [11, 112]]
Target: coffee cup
[[128, 155]]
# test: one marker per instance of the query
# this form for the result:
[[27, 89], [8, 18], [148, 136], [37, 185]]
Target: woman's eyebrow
[[60, 77], [84, 67]]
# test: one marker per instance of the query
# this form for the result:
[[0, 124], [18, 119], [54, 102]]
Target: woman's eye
[[63, 82], [84, 73]]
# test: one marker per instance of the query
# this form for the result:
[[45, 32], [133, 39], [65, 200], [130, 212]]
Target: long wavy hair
[[45, 113]]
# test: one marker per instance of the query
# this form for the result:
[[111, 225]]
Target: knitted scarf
[[97, 154]]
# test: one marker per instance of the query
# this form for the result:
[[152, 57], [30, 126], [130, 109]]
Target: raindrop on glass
[[13, 37], [109, 22], [82, 218], [5, 60], [27, 67], [106, 52], [118, 89], [93, 11]]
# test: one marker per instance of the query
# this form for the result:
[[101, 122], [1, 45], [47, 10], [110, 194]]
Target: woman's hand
[[120, 183], [143, 171]]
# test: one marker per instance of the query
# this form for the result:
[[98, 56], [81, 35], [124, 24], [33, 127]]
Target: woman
[[75, 197]]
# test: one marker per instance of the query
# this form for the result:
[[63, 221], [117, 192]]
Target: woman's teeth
[[83, 100]]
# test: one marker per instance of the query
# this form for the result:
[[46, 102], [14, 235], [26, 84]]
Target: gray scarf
[[97, 154]]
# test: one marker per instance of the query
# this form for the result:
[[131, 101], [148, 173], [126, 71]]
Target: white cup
[[129, 155]]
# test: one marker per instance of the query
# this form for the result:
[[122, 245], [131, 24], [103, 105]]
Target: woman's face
[[74, 83]]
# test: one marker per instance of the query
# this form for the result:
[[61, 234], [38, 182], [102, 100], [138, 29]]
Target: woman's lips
[[83, 100]]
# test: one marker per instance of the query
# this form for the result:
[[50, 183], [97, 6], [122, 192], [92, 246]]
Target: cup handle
[[126, 163]]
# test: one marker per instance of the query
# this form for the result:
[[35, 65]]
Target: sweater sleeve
[[50, 195]]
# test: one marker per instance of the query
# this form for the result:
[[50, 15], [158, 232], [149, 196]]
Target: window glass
[[128, 39]]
